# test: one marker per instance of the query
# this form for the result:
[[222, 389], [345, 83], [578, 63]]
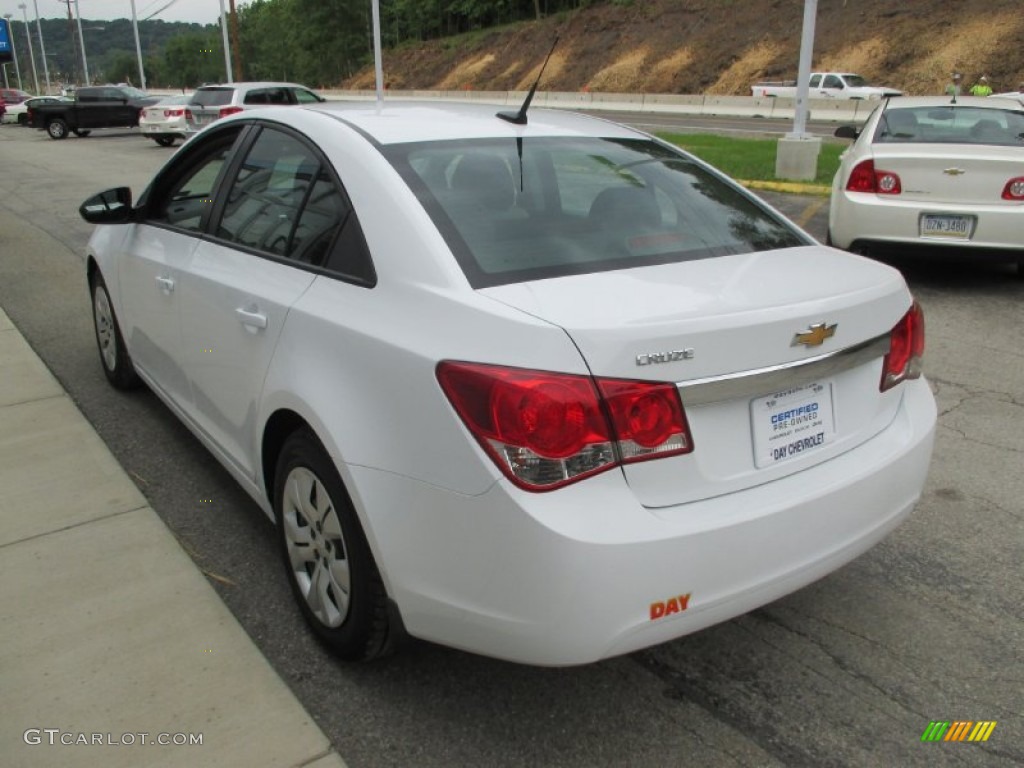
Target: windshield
[[212, 97], [951, 124], [133, 93], [517, 210], [855, 81]]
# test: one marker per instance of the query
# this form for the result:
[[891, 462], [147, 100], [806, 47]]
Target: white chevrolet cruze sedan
[[933, 176], [542, 388]]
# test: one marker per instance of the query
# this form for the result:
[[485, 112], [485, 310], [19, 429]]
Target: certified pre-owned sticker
[[792, 423]]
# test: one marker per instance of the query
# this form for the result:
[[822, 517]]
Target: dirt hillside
[[722, 46]]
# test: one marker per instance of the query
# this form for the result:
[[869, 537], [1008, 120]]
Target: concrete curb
[[110, 637], [789, 187]]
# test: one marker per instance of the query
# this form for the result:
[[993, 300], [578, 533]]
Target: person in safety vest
[[953, 89], [981, 88]]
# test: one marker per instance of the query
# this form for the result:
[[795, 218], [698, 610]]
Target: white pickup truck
[[827, 85]]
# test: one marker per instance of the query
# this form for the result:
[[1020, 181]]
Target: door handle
[[166, 284], [251, 318]]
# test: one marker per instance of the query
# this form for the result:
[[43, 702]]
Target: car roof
[[250, 85], [399, 121], [984, 102]]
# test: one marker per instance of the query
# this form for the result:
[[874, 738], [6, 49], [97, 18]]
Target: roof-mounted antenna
[[519, 118]]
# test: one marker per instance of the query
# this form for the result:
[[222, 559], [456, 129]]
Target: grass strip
[[750, 159]]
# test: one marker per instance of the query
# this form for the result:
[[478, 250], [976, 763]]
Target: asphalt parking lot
[[847, 672]]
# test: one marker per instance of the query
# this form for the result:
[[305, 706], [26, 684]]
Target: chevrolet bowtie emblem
[[815, 335], [954, 171]]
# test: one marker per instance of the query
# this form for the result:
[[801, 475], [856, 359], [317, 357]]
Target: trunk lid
[[723, 330], [962, 175]]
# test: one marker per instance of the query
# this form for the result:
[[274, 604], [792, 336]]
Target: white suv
[[212, 102]]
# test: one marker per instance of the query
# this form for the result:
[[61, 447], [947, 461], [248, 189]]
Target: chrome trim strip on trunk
[[762, 381]]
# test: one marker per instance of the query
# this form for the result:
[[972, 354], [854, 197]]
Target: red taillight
[[865, 178], [545, 430], [174, 112], [1014, 189], [906, 349], [647, 417], [225, 111]]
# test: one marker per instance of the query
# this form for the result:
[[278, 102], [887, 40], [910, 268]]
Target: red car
[[13, 95]]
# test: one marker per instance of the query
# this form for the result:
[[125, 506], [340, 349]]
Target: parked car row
[[9, 98], [163, 119]]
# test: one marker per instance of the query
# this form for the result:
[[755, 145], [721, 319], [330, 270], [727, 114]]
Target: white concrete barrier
[[729, 106], [831, 110], [673, 103], [836, 110]]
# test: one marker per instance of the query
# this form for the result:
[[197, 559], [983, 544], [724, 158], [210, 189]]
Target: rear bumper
[[161, 130], [585, 572], [865, 219]]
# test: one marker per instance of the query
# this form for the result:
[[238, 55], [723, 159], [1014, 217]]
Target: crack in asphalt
[[694, 687]]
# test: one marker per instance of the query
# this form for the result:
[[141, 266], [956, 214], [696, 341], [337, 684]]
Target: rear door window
[[285, 202]]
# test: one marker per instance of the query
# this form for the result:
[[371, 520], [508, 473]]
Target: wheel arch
[[285, 421], [91, 268], [282, 423]]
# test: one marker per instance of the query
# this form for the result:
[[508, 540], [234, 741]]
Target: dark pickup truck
[[100, 106]]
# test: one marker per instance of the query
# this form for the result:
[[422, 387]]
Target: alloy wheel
[[317, 554]]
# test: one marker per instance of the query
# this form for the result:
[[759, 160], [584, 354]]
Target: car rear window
[[212, 97], [518, 210], [951, 124]]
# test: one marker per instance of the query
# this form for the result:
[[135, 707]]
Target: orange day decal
[[676, 604]]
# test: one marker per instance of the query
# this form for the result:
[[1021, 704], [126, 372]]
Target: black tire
[[164, 141], [322, 545], [81, 134], [22, 119], [117, 364], [57, 129]]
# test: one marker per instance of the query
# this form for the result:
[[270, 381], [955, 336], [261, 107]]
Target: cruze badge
[[815, 335], [654, 358]]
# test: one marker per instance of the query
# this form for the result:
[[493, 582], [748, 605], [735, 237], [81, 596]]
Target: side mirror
[[847, 132], [114, 206]]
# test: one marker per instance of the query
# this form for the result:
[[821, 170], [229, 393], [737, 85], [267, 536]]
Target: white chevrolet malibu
[[546, 389], [933, 176]]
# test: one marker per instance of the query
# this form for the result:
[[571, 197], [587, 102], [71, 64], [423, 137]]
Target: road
[[847, 672]]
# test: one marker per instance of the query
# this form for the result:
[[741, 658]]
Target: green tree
[[193, 59], [121, 67]]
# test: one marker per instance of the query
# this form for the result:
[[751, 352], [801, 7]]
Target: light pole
[[81, 44], [17, 69], [797, 153], [31, 51], [227, 47], [138, 46], [42, 46]]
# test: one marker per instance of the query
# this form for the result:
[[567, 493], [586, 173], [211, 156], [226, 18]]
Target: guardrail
[[827, 110]]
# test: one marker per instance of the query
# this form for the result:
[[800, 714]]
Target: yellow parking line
[[808, 213]]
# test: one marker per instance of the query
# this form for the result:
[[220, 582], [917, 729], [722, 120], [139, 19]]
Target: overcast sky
[[201, 11]]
